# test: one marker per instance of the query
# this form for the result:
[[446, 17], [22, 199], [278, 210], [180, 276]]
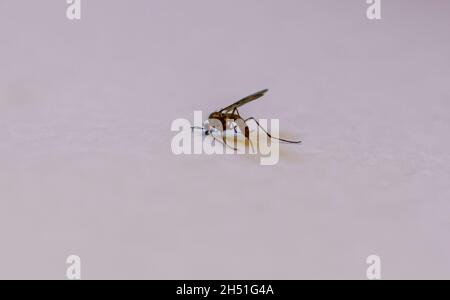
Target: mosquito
[[230, 118]]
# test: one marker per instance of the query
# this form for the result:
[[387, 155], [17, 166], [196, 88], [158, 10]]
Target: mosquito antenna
[[270, 136], [247, 138], [197, 127]]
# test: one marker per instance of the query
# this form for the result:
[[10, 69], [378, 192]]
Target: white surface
[[85, 160]]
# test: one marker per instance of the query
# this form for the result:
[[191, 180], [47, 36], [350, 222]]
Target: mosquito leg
[[226, 143], [269, 135], [236, 112], [240, 123]]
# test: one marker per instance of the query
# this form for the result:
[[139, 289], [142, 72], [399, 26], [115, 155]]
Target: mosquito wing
[[244, 101]]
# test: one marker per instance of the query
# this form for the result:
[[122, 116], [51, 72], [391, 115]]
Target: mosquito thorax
[[215, 115]]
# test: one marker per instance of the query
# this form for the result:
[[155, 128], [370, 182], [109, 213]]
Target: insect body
[[230, 118]]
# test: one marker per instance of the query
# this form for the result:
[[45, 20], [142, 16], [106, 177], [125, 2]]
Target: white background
[[86, 166]]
